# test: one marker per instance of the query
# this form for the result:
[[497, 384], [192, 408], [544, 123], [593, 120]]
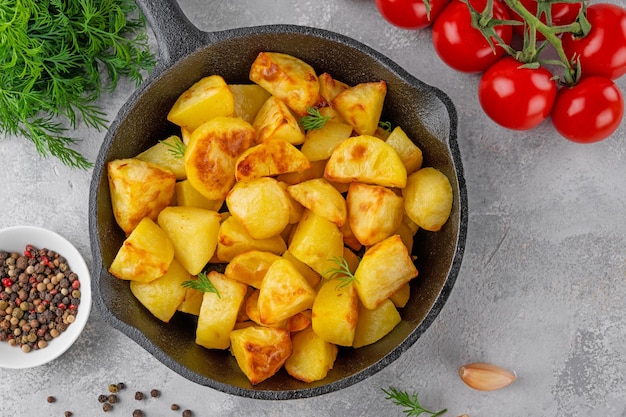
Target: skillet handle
[[176, 36]]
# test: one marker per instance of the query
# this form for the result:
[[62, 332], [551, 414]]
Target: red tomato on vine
[[410, 14], [463, 47], [603, 50], [589, 111], [516, 98]]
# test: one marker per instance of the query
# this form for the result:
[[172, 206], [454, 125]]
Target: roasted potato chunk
[[375, 324], [311, 357], [260, 351], [307, 272], [284, 292], [167, 154], [276, 121], [250, 267], [193, 232], [270, 158], [187, 196], [145, 255], [163, 295], [212, 153], [288, 78], [409, 152], [248, 100], [335, 312], [319, 143], [233, 239], [192, 301], [218, 313], [321, 198], [375, 212], [316, 242], [428, 198], [261, 205], [138, 189], [208, 98], [361, 106], [366, 159], [377, 277], [329, 87]]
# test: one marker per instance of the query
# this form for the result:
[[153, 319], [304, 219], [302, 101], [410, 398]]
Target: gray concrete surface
[[541, 290]]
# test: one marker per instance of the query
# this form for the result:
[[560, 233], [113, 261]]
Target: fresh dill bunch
[[341, 272], [177, 148], [412, 406], [56, 59], [314, 119], [202, 284]]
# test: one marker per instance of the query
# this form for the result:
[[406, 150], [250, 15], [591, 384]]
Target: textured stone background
[[541, 290]]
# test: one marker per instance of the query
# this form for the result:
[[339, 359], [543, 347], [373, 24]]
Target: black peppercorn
[[174, 407], [51, 399], [155, 393], [107, 407], [102, 398], [112, 398], [187, 413], [137, 413], [139, 395]]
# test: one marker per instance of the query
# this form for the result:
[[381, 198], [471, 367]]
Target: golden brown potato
[[319, 143], [210, 97], [287, 78], [329, 87], [270, 158], [312, 277], [192, 301], [212, 153], [315, 171], [319, 196], [260, 351], [145, 255], [138, 189], [409, 152], [375, 324], [316, 241], [248, 100], [233, 239], [428, 198], [299, 321], [361, 106], [284, 292], [276, 121], [335, 312], [167, 154], [401, 297], [375, 212], [193, 232], [366, 159], [218, 313], [250, 267], [260, 205], [311, 357], [188, 196], [377, 277], [163, 295]]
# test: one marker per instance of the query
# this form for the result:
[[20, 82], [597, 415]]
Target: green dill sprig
[[56, 59], [314, 119], [176, 147], [385, 125], [411, 405], [202, 284], [341, 273]]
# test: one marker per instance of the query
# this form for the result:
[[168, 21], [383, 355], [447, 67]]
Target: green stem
[[550, 33]]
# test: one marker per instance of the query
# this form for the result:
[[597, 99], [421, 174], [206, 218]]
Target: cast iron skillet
[[186, 55]]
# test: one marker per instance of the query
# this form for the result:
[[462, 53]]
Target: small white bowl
[[15, 239]]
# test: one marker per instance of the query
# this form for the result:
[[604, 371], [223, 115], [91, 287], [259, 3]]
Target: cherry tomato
[[460, 45], [561, 13], [410, 14], [516, 98], [589, 111], [603, 50]]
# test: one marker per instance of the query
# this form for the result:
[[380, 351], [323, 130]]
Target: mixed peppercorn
[[39, 297]]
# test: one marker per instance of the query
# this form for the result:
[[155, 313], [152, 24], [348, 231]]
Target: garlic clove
[[486, 377]]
